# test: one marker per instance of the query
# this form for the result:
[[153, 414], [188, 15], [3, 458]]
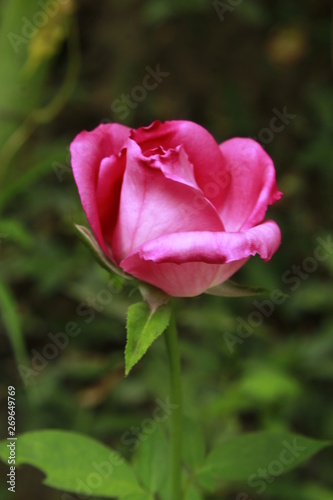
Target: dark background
[[231, 70]]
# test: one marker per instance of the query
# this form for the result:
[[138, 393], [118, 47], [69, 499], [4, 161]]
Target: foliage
[[257, 364]]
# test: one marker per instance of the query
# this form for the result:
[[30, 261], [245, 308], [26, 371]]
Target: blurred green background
[[231, 66]]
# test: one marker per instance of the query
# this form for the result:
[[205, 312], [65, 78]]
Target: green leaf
[[15, 231], [264, 384], [193, 494], [143, 327], [75, 463], [241, 457], [151, 459], [193, 444], [138, 496], [89, 240], [231, 289]]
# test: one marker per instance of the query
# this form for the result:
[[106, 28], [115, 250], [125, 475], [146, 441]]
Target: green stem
[[171, 338]]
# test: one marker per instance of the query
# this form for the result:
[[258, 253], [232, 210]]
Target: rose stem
[[171, 337]]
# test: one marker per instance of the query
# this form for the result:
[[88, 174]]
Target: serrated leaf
[[240, 458], [193, 444], [151, 460], [89, 240], [143, 327], [231, 289], [75, 463]]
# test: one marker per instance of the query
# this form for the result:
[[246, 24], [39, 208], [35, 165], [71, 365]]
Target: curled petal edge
[[211, 247]]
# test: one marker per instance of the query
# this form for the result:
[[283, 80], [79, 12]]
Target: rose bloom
[[171, 207]]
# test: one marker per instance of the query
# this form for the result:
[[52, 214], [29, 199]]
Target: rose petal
[[213, 247], [181, 280], [174, 164], [252, 185], [155, 201], [88, 149], [187, 264], [109, 183], [200, 146]]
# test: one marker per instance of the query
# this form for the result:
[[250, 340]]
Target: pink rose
[[171, 207]]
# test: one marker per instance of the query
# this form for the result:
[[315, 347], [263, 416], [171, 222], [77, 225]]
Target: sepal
[[89, 240]]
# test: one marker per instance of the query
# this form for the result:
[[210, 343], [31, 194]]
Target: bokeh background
[[231, 66]]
